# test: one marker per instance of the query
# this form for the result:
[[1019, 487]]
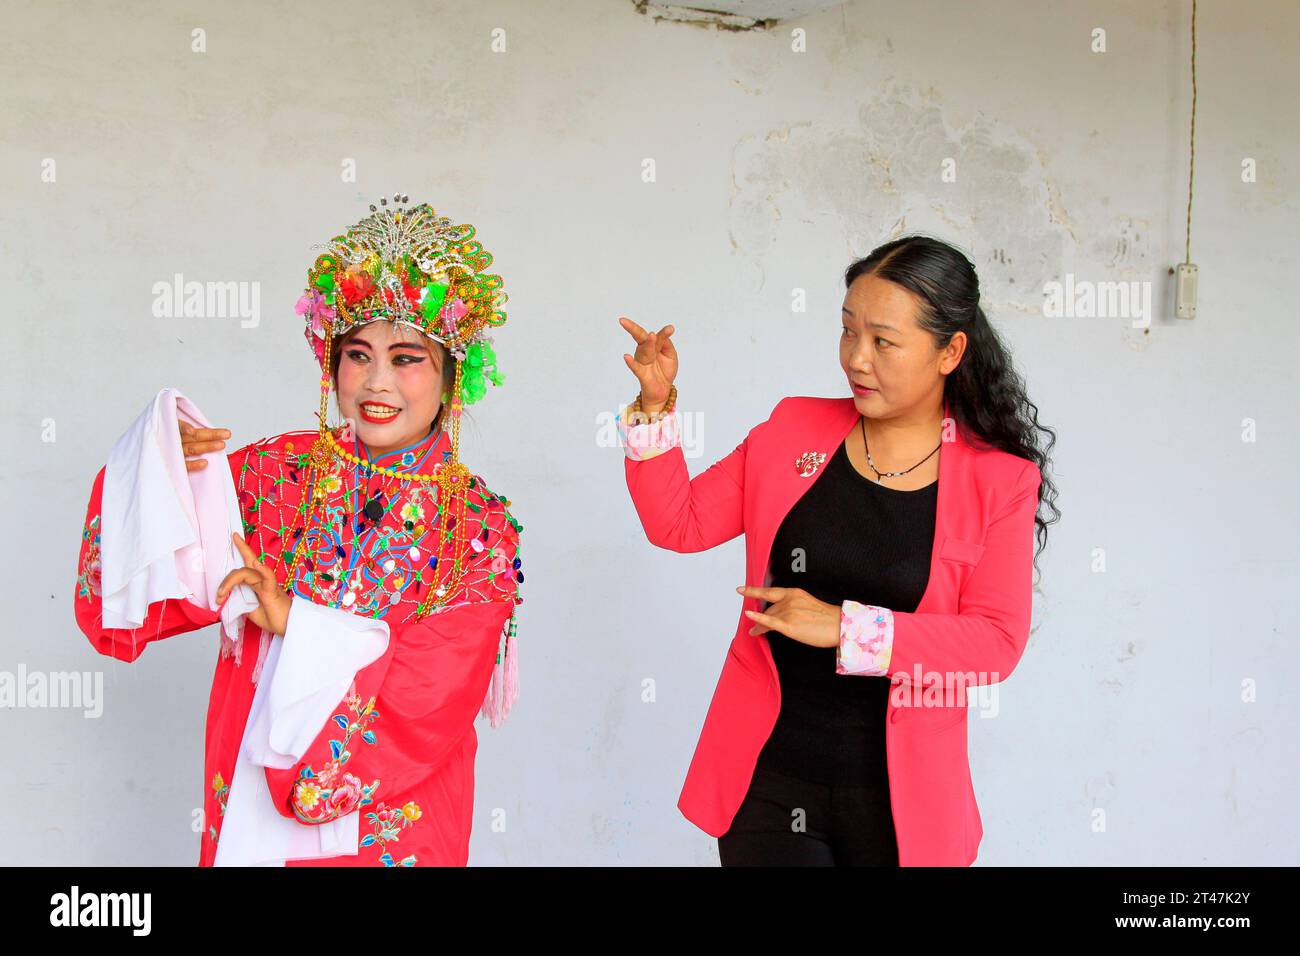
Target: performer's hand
[[654, 365], [272, 612], [796, 614], [197, 441]]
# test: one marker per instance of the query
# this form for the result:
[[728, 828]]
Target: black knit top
[[846, 538]]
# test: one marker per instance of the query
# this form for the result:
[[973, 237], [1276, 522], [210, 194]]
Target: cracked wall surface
[[881, 178], [733, 15]]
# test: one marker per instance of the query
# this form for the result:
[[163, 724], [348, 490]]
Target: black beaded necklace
[[862, 420]]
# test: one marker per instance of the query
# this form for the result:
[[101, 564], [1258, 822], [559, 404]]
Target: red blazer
[[973, 618]]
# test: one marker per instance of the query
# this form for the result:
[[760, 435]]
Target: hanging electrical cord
[[1186, 272], [1191, 169]]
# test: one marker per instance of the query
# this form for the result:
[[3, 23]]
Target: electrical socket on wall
[[1185, 294]]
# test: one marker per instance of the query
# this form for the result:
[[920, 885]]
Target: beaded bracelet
[[652, 417]]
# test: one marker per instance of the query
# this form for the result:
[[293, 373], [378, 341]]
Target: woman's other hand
[[272, 614], [654, 364], [796, 614], [199, 441]]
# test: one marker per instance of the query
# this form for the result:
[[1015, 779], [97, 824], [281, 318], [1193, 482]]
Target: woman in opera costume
[[364, 579]]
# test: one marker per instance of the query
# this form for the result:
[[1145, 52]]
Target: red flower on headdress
[[355, 284], [411, 292]]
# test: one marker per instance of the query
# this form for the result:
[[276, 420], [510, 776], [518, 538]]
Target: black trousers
[[785, 821]]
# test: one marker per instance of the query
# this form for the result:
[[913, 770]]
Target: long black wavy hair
[[986, 396]]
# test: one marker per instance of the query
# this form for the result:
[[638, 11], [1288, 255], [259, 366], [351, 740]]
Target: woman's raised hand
[[654, 364], [273, 603], [198, 441]]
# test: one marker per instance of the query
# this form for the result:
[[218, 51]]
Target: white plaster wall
[[774, 169]]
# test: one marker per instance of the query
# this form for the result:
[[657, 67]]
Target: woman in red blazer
[[892, 531]]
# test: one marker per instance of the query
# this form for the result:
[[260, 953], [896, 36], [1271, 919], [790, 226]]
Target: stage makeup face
[[390, 384]]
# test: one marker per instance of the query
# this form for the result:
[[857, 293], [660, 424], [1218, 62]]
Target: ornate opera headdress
[[408, 264]]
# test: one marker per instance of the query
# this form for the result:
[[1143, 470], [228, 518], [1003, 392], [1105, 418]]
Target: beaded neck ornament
[[407, 264]]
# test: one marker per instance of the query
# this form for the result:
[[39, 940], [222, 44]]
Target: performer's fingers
[[237, 576], [648, 349], [197, 447], [191, 433], [197, 464], [763, 594], [633, 329], [205, 439], [666, 343], [265, 576], [246, 552]]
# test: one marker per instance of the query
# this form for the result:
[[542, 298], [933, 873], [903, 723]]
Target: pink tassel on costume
[[261, 655], [512, 673], [234, 647], [503, 689]]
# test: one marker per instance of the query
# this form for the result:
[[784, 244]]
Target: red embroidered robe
[[399, 750]]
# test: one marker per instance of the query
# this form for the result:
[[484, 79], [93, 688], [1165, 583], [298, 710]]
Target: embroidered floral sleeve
[[220, 793], [646, 440], [318, 797], [866, 639], [409, 712], [334, 793], [88, 581]]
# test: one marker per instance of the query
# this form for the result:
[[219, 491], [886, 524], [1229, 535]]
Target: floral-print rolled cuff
[[648, 440], [866, 640]]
